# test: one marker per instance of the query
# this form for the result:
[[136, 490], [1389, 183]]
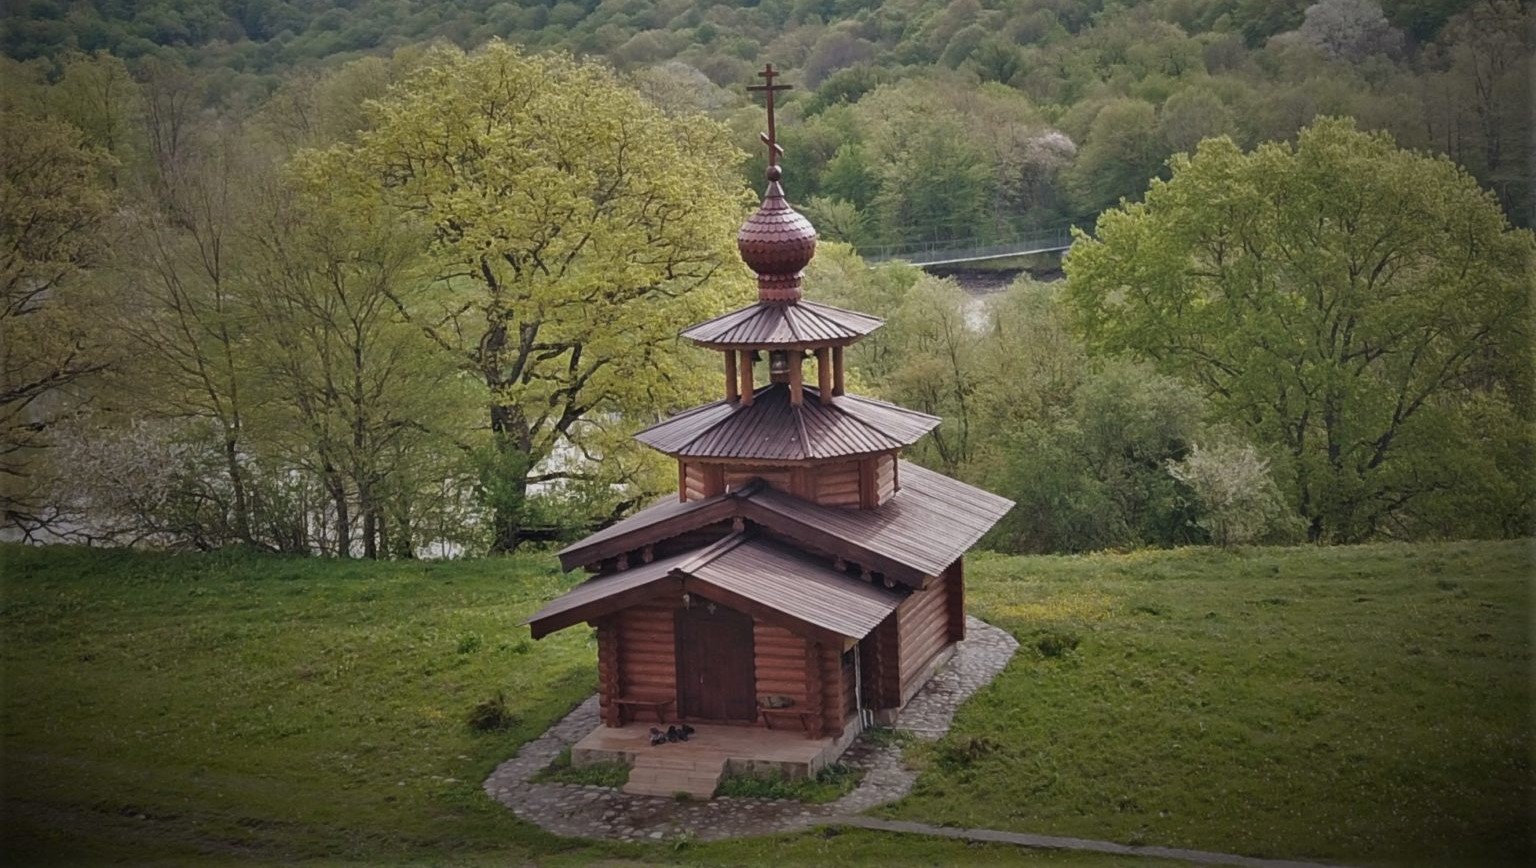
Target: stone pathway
[[601, 812], [1055, 842]]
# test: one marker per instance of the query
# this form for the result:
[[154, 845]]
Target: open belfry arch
[[804, 577]]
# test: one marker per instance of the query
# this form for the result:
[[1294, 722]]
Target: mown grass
[[1368, 703]]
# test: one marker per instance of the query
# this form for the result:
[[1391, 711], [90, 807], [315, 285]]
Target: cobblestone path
[[601, 812]]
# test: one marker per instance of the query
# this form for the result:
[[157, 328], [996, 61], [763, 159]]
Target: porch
[[695, 766]]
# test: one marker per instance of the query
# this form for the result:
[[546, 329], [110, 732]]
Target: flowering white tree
[[1350, 30], [1240, 502]]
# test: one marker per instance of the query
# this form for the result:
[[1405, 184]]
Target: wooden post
[[608, 673], [796, 383], [746, 378], [813, 686], [682, 481], [730, 375], [837, 370], [824, 375], [956, 587]]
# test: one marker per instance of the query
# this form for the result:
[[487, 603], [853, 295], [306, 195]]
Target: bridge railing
[[1056, 238]]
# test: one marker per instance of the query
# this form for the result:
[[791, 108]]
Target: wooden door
[[715, 675]]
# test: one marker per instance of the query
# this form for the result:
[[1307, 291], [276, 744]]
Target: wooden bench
[[770, 714], [655, 705]]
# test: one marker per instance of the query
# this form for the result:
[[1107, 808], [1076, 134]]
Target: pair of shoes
[[658, 737], [673, 734], [684, 731]]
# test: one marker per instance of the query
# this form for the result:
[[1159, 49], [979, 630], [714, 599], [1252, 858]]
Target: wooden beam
[[796, 384], [837, 371], [608, 672], [730, 375], [813, 686], [824, 375], [746, 378]]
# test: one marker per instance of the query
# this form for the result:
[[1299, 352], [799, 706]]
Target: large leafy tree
[[1360, 308], [573, 228], [54, 210]]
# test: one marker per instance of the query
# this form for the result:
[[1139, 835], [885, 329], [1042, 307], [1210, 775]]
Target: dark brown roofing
[[804, 588], [773, 429], [661, 515], [801, 324], [925, 526], [915, 534], [567, 609], [742, 572]]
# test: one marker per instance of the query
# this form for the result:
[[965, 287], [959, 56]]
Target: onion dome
[[777, 243]]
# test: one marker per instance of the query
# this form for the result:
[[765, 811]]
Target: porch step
[[668, 775]]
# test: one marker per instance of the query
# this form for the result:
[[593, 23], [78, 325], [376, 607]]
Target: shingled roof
[[800, 324], [916, 534], [741, 571], [771, 428]]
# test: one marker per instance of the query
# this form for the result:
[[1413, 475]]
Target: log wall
[[647, 651], [779, 663], [864, 482], [837, 484], [885, 478], [923, 625]]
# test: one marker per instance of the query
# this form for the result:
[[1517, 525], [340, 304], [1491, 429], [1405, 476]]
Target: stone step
[[678, 760], [668, 776]]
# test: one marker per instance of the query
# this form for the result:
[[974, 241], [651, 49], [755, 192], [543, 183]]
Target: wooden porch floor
[[741, 748]]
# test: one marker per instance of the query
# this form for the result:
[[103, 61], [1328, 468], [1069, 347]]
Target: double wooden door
[[715, 675]]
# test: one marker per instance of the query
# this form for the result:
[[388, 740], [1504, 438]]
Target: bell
[[778, 363]]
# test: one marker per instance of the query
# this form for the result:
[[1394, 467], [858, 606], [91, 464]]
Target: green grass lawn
[[1369, 703], [1366, 703]]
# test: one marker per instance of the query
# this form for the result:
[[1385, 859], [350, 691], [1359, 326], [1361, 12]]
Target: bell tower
[[806, 436]]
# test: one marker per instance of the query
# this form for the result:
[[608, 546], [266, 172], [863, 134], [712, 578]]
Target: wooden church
[[805, 579]]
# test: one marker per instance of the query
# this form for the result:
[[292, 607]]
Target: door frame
[[738, 669]]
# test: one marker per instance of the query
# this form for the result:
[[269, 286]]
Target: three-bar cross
[[771, 138]]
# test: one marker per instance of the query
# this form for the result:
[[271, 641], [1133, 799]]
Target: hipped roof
[[918, 532], [755, 575], [797, 324], [773, 429]]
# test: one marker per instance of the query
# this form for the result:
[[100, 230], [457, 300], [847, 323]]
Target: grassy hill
[[1369, 703]]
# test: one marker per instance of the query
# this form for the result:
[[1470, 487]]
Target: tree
[[1121, 152], [54, 209], [1350, 30], [1342, 300], [1240, 502], [572, 228]]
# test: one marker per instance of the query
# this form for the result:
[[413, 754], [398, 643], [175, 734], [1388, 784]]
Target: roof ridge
[[712, 551], [883, 403], [713, 425], [866, 424]]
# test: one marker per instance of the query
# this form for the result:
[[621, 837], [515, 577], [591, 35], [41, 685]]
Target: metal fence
[[966, 250]]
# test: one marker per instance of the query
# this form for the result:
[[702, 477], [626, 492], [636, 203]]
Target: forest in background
[[913, 118], [249, 305]]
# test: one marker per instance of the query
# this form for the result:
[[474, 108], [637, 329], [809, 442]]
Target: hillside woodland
[[394, 279]]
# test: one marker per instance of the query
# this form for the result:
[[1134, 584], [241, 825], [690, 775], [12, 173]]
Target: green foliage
[[54, 212], [829, 784], [1343, 301], [561, 771], [573, 227]]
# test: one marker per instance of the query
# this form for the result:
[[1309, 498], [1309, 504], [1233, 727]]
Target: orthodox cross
[[770, 138]]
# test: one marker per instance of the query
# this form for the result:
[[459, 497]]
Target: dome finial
[[776, 242]]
